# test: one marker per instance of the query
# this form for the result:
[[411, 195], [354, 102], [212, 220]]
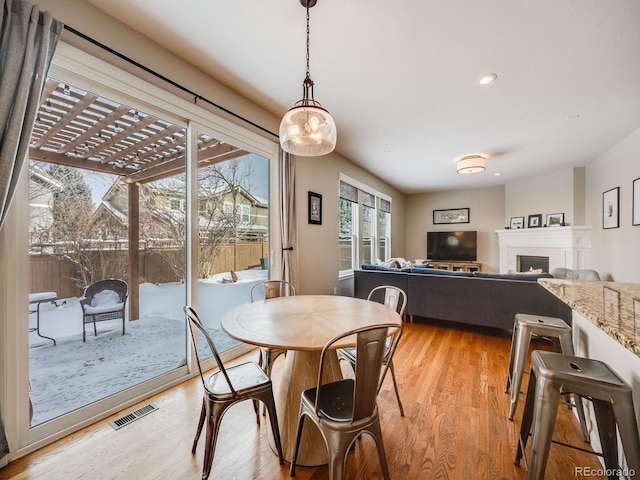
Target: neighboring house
[[42, 187], [242, 215]]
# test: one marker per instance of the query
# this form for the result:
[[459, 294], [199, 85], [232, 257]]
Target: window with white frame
[[364, 217]]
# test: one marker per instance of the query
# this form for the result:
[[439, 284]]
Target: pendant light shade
[[307, 129], [471, 164]]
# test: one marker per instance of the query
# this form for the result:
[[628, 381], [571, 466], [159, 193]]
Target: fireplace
[[528, 263], [566, 247]]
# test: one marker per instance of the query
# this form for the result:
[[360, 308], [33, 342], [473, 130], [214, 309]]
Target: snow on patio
[[74, 373]]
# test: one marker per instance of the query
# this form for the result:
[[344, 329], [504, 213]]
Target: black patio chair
[[103, 300]]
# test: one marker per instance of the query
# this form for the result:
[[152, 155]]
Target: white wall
[[615, 252], [486, 214]]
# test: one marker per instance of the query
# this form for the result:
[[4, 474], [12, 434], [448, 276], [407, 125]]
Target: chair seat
[[338, 403], [243, 376]]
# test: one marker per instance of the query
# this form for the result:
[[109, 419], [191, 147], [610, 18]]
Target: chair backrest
[[194, 321], [394, 297], [371, 348], [118, 286], [273, 289]]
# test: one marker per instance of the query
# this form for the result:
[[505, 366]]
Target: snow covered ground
[[74, 373]]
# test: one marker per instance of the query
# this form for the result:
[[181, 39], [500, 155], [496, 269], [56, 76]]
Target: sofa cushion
[[438, 271], [513, 276]]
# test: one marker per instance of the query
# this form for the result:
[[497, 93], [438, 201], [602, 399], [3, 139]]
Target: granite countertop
[[614, 307]]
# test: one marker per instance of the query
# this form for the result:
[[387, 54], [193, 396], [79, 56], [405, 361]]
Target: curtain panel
[[287, 180], [28, 38]]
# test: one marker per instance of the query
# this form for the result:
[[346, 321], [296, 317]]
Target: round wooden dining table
[[302, 325]]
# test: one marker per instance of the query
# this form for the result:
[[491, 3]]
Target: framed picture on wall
[[454, 215], [636, 202], [611, 208], [315, 208]]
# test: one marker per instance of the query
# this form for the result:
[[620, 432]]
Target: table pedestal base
[[300, 373]]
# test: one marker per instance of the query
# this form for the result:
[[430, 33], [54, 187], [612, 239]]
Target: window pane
[[368, 231], [346, 237], [91, 158], [233, 235]]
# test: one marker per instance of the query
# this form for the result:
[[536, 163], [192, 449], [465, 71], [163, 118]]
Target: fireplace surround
[[566, 247]]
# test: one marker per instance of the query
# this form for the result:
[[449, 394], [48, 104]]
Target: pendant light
[[307, 129]]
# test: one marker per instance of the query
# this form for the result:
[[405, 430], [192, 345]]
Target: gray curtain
[[28, 38], [287, 173]]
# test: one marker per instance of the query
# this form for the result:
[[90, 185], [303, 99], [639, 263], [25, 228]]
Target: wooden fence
[[49, 273]]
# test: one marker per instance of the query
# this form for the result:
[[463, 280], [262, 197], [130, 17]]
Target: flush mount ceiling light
[[471, 164], [307, 129]]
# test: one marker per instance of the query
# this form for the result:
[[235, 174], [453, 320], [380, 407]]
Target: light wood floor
[[451, 380]]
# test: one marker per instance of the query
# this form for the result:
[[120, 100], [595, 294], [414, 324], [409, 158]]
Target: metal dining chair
[[396, 299], [345, 409], [226, 387], [272, 289]]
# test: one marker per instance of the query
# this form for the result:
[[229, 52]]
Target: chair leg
[[376, 432], [294, 459], [606, 421], [214, 417], [523, 339], [395, 386], [203, 414], [628, 429], [511, 353], [95, 330], [544, 417], [270, 405]]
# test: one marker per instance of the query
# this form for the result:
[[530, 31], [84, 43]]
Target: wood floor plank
[[451, 380]]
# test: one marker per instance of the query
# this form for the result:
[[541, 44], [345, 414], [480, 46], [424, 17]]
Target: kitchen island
[[606, 327]]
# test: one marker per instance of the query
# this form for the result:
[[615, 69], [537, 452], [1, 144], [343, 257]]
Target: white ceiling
[[401, 77]]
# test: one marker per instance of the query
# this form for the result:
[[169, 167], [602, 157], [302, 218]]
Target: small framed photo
[[315, 208], [516, 222], [454, 215], [535, 221], [636, 202], [555, 219], [611, 208]]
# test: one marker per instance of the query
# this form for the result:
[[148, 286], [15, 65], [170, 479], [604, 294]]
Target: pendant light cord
[[308, 39]]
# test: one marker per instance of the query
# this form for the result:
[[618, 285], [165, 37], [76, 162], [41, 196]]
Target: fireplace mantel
[[565, 246]]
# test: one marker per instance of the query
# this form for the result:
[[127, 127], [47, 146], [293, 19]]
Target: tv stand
[[456, 266]]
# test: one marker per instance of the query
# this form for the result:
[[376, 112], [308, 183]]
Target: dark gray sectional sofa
[[477, 298]]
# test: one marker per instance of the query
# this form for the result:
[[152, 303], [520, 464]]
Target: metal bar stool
[[524, 326], [553, 374]]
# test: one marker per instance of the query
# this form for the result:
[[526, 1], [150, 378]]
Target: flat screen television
[[461, 246]]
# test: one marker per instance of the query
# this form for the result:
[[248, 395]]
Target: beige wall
[[485, 216], [615, 253], [546, 194]]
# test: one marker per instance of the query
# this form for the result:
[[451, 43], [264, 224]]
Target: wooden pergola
[[83, 130]]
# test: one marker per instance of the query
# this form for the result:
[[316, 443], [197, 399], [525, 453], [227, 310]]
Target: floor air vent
[[133, 416]]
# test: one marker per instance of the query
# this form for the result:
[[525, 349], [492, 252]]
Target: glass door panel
[[107, 197], [233, 230]]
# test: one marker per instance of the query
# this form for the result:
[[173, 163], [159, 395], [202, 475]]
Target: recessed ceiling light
[[487, 79], [497, 174]]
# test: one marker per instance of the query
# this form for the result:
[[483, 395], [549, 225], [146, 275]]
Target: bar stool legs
[[556, 330], [553, 374]]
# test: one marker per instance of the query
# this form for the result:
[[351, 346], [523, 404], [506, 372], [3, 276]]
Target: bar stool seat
[[524, 327], [553, 374]]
